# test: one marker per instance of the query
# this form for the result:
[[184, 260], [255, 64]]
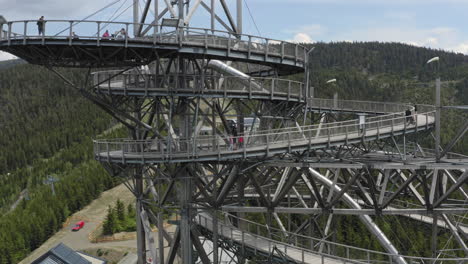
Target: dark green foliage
[[46, 129], [110, 224], [120, 209], [130, 211], [117, 221], [385, 71], [10, 63], [27, 227], [40, 115]]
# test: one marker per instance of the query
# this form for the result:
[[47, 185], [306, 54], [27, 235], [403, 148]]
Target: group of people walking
[[120, 34]]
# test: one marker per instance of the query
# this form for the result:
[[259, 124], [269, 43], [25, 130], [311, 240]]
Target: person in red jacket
[[106, 34]]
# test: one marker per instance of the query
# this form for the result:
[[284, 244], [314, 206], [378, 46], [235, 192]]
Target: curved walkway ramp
[[209, 86], [59, 47], [259, 245], [301, 249], [262, 143]]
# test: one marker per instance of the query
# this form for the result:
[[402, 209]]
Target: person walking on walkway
[[40, 25], [409, 117]]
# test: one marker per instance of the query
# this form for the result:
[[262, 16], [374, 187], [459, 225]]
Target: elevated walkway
[[259, 245], [59, 47], [261, 144], [291, 247], [209, 86]]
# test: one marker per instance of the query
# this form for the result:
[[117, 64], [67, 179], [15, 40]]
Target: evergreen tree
[[120, 208], [131, 210], [110, 224]]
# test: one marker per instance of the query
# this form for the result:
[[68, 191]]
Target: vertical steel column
[[186, 218], [434, 236], [215, 226], [160, 223], [239, 16], [180, 4], [437, 119], [156, 16], [213, 14], [141, 236], [136, 18]]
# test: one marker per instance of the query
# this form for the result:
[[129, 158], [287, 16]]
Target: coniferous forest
[[47, 128]]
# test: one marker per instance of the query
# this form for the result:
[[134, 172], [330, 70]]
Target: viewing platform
[[69, 43]]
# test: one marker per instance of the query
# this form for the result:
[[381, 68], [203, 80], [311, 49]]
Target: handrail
[[359, 105], [349, 252], [183, 35], [132, 81], [265, 140]]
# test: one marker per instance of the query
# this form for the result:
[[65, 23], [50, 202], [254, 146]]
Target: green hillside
[[47, 129]]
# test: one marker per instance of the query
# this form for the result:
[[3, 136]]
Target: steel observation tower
[[254, 167]]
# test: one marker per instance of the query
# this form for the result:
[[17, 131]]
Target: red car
[[78, 226]]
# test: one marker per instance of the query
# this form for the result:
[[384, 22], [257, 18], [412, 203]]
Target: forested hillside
[[39, 115], [47, 129], [393, 72]]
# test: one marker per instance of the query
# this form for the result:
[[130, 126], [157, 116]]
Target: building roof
[[61, 254]]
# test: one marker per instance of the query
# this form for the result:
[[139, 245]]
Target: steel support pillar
[[239, 16], [136, 18], [141, 236], [434, 236], [437, 120], [156, 15], [212, 14], [161, 236], [186, 218]]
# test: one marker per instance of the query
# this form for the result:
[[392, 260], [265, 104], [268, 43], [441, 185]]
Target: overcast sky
[[428, 23]]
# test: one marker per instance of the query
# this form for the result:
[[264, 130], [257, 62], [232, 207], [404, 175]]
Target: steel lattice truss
[[218, 137]]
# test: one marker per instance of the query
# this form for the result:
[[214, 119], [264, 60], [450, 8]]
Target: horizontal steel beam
[[451, 164], [316, 211]]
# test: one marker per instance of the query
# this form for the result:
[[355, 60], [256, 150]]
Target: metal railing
[[112, 82], [75, 30], [358, 106], [264, 141], [262, 237]]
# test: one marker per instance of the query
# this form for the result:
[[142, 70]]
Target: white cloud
[[311, 30], [431, 41], [6, 56], [461, 48], [306, 33], [302, 38]]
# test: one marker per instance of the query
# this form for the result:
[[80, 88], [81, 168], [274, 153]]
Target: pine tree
[[120, 208], [110, 224], [131, 210]]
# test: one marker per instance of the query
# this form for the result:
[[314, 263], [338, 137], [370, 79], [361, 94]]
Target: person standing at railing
[[122, 34], [232, 137], [409, 117], [362, 123], [415, 113], [40, 25], [106, 34]]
